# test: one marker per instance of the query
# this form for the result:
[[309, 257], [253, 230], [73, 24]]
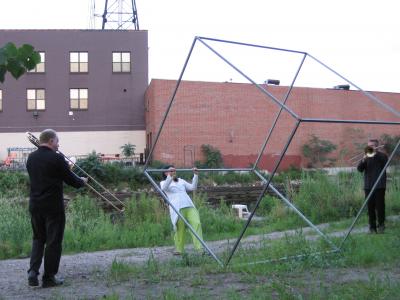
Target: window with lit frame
[[78, 99], [36, 99], [121, 62], [79, 62], [40, 67]]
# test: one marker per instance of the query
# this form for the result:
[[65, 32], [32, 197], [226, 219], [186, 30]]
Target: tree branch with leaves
[[17, 61]]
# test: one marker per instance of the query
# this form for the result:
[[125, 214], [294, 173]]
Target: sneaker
[[381, 229], [33, 278], [51, 282]]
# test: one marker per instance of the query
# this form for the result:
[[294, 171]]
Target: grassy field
[[367, 268], [146, 222]]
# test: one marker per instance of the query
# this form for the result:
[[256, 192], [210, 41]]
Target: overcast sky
[[358, 39]]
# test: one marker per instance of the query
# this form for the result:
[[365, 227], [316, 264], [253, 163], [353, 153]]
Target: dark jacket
[[47, 171], [372, 167]]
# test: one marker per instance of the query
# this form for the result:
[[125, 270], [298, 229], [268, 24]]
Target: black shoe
[[51, 282], [381, 229], [33, 278], [372, 230]]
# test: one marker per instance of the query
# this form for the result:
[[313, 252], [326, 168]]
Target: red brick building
[[236, 118]]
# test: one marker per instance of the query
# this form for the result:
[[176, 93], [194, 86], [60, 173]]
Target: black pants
[[376, 204], [48, 233]]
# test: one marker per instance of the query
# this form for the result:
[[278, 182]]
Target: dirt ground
[[84, 274]]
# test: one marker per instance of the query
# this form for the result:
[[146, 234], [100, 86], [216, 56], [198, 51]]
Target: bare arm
[[192, 186], [166, 183]]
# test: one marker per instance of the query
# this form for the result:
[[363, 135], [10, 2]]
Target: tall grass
[[393, 193], [15, 229], [327, 198], [144, 224], [13, 184], [146, 221]]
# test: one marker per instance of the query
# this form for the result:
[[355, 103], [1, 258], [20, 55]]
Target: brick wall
[[236, 118]]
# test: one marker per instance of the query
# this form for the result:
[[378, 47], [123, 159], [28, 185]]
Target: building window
[[121, 62], [40, 67], [1, 100], [36, 99], [78, 99], [78, 62]]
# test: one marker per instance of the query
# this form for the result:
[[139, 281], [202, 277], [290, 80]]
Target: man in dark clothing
[[372, 165], [47, 171]]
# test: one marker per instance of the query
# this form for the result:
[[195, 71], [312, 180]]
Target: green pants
[[192, 216]]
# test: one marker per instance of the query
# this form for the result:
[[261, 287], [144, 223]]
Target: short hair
[[46, 135], [375, 141]]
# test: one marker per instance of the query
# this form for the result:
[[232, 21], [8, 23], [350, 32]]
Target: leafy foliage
[[114, 173], [317, 151], [17, 60], [213, 157], [128, 150], [92, 165]]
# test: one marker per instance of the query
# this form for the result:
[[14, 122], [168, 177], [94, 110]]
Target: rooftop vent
[[272, 81], [342, 87]]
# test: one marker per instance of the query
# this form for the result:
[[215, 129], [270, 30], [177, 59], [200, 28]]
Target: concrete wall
[[80, 143]]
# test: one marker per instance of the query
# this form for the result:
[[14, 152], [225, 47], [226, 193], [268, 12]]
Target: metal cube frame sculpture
[[267, 184]]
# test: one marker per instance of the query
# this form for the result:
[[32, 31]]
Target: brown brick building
[[236, 118]]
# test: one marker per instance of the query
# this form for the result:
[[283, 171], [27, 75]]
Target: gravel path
[[84, 272]]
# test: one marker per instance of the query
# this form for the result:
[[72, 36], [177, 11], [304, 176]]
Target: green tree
[[317, 151], [16, 60], [128, 150]]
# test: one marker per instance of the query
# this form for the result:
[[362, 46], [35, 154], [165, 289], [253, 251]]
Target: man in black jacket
[[372, 165], [47, 171]]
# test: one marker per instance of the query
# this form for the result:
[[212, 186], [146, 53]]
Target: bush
[[232, 177], [212, 158], [317, 151], [91, 165], [14, 183], [293, 173], [115, 173]]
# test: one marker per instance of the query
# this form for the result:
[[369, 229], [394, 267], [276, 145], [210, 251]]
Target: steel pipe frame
[[264, 91], [297, 211], [299, 256], [204, 170], [278, 114], [268, 181], [183, 219]]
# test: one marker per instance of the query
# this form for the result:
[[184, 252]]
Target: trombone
[[368, 150], [36, 142]]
